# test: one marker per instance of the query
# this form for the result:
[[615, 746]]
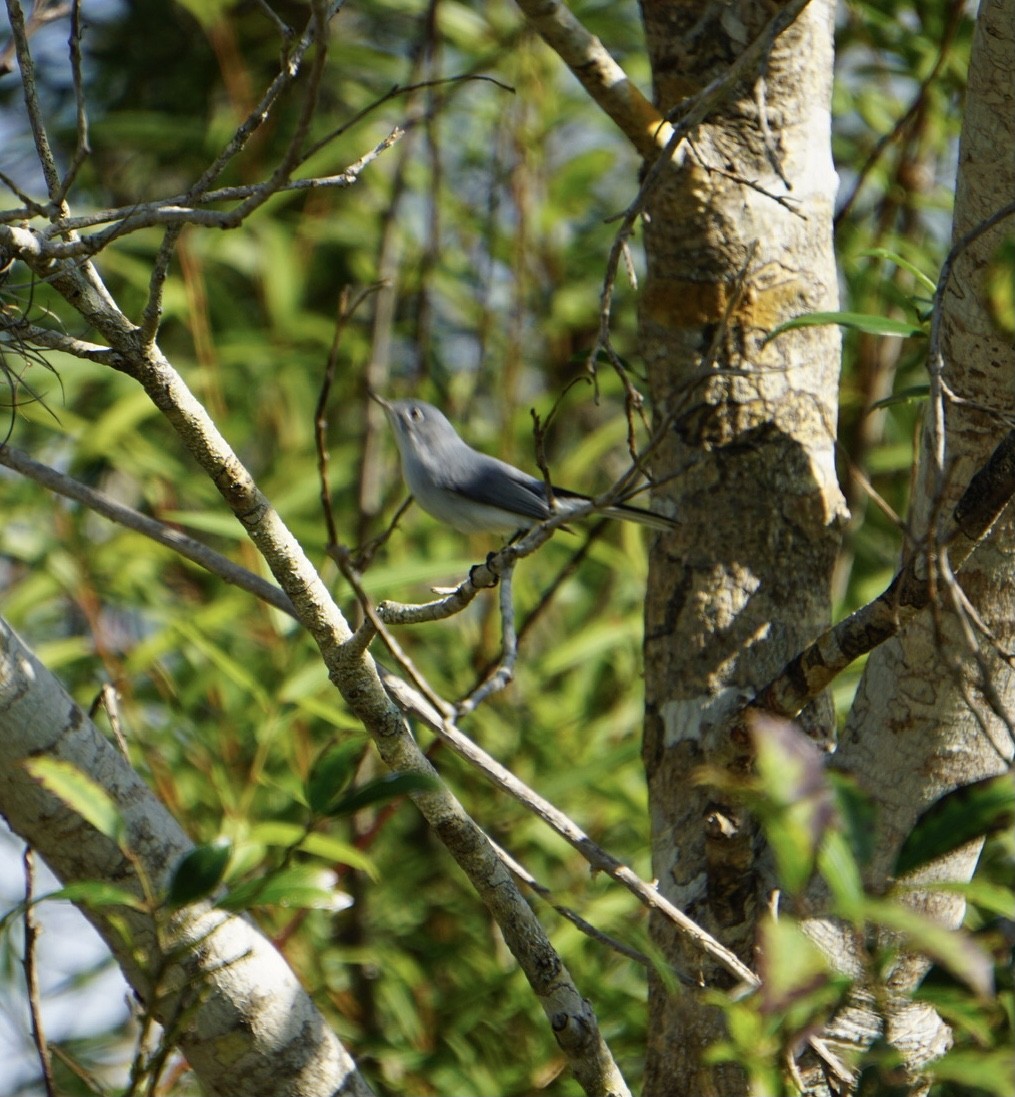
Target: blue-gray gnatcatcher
[[472, 492]]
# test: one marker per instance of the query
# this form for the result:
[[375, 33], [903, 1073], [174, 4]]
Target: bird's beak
[[379, 400]]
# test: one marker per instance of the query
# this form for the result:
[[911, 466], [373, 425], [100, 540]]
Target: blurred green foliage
[[489, 222]]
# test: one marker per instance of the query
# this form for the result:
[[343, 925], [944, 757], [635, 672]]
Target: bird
[[473, 492]]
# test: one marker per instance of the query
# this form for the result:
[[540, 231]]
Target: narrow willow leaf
[[856, 321], [80, 793], [96, 893], [330, 776], [911, 395], [893, 257]]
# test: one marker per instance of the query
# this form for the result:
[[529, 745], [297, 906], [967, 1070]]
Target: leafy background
[[489, 224]]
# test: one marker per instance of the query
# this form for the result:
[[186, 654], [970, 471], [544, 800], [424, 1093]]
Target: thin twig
[[345, 314], [285, 31], [290, 69], [394, 93], [35, 119], [32, 975], [81, 146], [956, 13], [375, 625], [935, 357], [139, 210], [546, 599], [186, 546], [505, 670], [990, 490], [42, 14], [153, 214], [691, 115], [107, 699], [31, 334], [151, 317], [575, 919], [594, 854]]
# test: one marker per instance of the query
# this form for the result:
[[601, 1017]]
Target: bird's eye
[[415, 414]]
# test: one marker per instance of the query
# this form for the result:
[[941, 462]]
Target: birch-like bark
[[936, 704], [738, 240], [205, 975]]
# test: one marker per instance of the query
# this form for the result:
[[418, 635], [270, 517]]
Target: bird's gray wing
[[487, 480]]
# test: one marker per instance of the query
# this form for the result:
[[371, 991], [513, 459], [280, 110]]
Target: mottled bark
[[738, 240], [935, 706]]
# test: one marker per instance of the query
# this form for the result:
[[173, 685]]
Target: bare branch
[[596, 856], [32, 975], [600, 75], [42, 14], [290, 69], [151, 316], [27, 67], [375, 626], [26, 334], [575, 919], [81, 147], [191, 549], [505, 670], [346, 310], [167, 212], [806, 676]]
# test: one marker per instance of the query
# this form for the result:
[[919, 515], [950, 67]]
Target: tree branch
[[809, 673], [599, 74], [189, 548]]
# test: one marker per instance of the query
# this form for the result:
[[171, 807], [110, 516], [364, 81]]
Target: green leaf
[[791, 966], [857, 321], [81, 794], [199, 872], [337, 852], [331, 775], [954, 949], [798, 807], [384, 788], [841, 872], [333, 850], [971, 811], [911, 395], [857, 813], [231, 668], [96, 893], [301, 886], [893, 257], [981, 1069]]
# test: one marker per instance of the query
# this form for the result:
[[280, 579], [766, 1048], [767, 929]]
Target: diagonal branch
[[809, 673], [189, 548], [599, 74]]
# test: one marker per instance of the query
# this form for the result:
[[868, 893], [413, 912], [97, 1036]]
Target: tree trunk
[[738, 240], [934, 708]]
